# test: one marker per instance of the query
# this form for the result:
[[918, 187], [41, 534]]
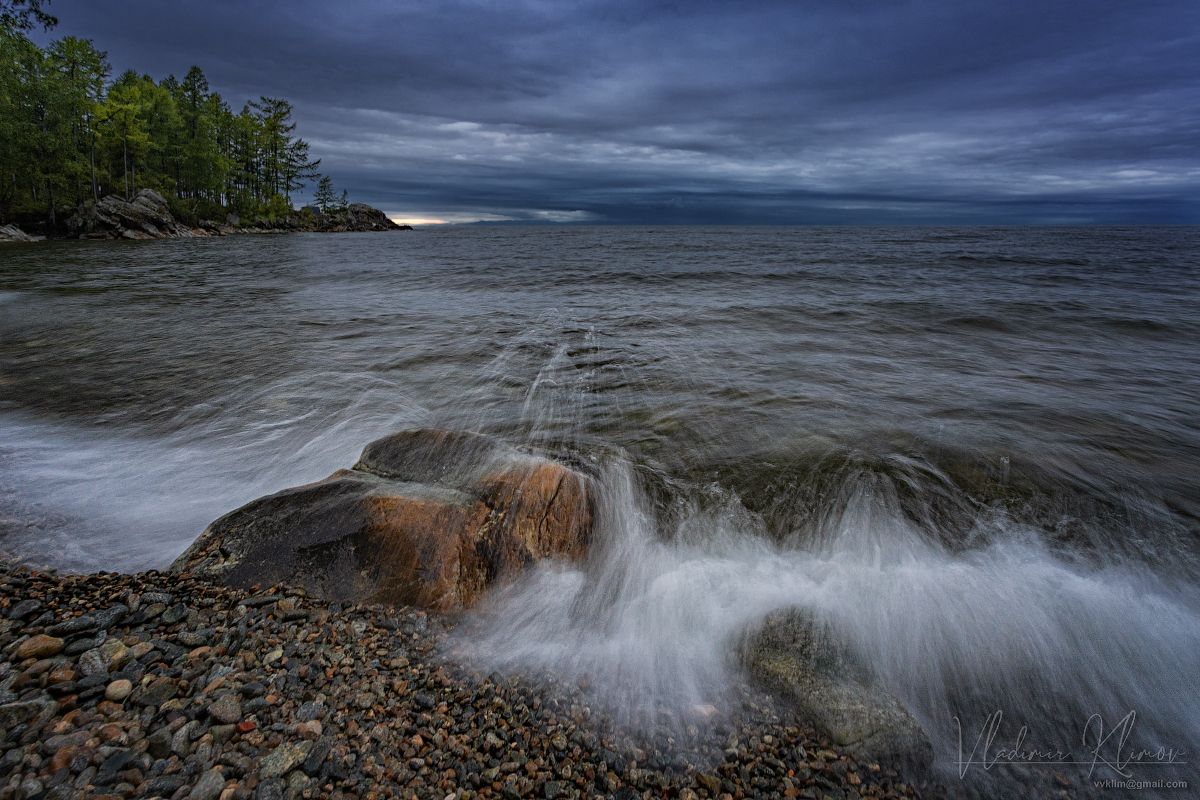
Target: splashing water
[[957, 615], [653, 620]]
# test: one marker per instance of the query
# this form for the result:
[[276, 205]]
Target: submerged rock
[[146, 216], [426, 517], [806, 663]]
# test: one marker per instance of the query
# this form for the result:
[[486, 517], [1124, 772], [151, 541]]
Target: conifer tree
[[324, 197], [69, 134]]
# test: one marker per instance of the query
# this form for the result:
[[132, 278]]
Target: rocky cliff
[[148, 216], [11, 233]]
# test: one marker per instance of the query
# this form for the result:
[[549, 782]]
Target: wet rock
[[157, 692], [209, 786], [18, 713], [159, 743], [73, 626], [110, 616], [24, 609], [164, 785], [226, 710], [118, 690], [114, 764], [428, 518], [270, 790], [284, 758], [39, 646], [175, 614], [310, 711], [93, 662], [806, 662]]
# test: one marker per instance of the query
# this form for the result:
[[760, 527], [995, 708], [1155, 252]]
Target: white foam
[[653, 621]]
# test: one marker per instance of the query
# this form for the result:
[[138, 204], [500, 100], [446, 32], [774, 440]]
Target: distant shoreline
[[148, 216]]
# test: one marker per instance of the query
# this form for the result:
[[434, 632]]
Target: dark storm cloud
[[916, 111]]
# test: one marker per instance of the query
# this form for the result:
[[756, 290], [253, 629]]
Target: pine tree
[[324, 197], [69, 135], [23, 15]]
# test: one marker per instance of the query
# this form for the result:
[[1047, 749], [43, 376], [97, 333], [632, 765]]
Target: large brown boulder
[[428, 518]]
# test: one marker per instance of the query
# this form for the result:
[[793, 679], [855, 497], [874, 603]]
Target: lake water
[[974, 452]]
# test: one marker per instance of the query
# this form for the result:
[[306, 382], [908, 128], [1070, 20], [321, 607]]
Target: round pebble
[[118, 690]]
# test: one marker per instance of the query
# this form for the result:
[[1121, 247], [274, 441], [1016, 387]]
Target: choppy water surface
[[975, 453]]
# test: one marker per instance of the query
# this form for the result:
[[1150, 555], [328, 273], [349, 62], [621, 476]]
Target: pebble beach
[[160, 685]]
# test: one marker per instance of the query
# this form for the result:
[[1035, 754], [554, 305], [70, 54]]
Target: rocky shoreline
[[164, 685], [148, 216]]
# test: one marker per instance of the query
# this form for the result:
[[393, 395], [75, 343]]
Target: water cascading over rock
[[428, 518], [805, 662]]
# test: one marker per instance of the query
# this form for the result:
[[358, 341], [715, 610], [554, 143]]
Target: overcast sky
[[654, 112]]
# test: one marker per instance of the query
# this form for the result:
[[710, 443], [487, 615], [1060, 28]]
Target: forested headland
[[71, 133]]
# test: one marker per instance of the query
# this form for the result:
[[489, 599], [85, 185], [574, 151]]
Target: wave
[[654, 619]]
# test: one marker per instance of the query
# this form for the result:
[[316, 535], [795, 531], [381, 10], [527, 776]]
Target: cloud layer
[[658, 112]]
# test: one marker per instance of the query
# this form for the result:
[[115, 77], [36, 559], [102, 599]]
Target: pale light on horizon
[[446, 218], [418, 220]]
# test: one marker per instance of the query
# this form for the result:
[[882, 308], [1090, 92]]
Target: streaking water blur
[[975, 452]]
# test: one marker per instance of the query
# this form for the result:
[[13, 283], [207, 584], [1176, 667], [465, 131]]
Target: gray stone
[[164, 785], [284, 758], [270, 790], [74, 625], [118, 690], [93, 662], [175, 614], [159, 743], [11, 233], [807, 663], [181, 742], [317, 754], [226, 709], [209, 786], [222, 733], [158, 692], [24, 609], [310, 711], [13, 714], [110, 616], [146, 216], [116, 762]]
